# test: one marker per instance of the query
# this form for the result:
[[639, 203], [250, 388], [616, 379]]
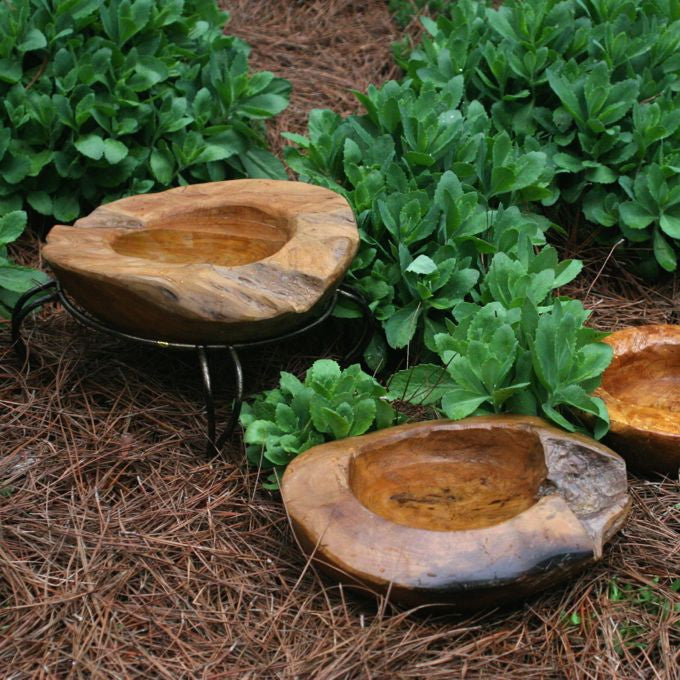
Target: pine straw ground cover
[[124, 553]]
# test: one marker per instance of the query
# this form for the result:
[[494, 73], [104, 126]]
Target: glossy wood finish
[[641, 389], [442, 487], [472, 513], [219, 262]]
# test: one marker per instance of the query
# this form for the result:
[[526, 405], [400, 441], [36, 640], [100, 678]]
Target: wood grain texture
[[218, 262], [641, 389], [472, 513]]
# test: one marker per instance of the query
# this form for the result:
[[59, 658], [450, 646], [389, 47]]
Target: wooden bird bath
[[472, 513], [220, 262], [641, 389]]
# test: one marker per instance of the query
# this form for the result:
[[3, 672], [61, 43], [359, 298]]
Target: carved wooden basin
[[217, 262], [641, 389], [472, 513]]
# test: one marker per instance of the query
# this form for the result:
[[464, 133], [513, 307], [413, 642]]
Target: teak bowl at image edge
[[641, 389], [218, 262], [472, 514]]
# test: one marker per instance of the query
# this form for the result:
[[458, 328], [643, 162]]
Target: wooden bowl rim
[[96, 256], [623, 414]]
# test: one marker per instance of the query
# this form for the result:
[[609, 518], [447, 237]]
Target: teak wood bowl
[[219, 262], [471, 514], [641, 389]]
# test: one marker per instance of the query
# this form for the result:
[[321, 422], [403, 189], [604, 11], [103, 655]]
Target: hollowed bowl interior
[[446, 481], [228, 237], [648, 378]]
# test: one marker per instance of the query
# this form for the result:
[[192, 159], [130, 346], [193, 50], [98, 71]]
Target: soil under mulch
[[124, 553]]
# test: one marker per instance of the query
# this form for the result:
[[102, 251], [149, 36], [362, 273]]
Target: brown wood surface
[[641, 389], [218, 262], [472, 513]]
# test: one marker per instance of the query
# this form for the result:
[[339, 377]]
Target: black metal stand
[[52, 291]]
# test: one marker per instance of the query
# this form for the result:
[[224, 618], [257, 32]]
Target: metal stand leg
[[211, 449], [27, 303], [22, 309], [214, 446], [368, 323]]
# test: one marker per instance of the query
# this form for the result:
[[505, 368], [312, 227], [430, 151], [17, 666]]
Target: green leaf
[[566, 272], [567, 94], [91, 145], [263, 105], [162, 164], [556, 417], [34, 39], [259, 430], [10, 71], [601, 174], [634, 215], [41, 202], [337, 424], [286, 419], [458, 403], [66, 207], [401, 326], [670, 225], [664, 254], [323, 376], [14, 168], [290, 384], [19, 279], [375, 355], [422, 265], [364, 415], [422, 384], [263, 164], [593, 361], [149, 71], [12, 226], [114, 151]]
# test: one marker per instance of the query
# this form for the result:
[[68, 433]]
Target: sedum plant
[[445, 172], [427, 181], [517, 350], [330, 404], [105, 99], [595, 81]]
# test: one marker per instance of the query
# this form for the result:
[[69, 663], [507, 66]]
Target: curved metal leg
[[208, 398], [238, 399], [21, 311], [214, 446], [368, 319]]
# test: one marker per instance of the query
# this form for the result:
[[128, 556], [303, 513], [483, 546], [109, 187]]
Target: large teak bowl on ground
[[641, 389], [472, 514], [218, 262]]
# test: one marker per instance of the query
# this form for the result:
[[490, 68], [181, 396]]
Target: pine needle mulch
[[325, 48], [125, 553]]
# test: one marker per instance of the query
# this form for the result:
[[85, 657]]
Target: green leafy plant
[[453, 256], [516, 350], [596, 82], [104, 99], [330, 404], [14, 279], [426, 180], [654, 201]]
